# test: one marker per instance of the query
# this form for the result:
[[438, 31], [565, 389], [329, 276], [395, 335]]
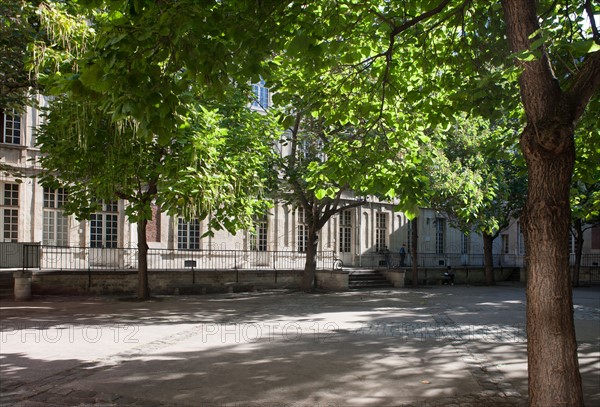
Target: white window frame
[[11, 128], [56, 224], [345, 245], [188, 234], [261, 98], [381, 230], [505, 243], [521, 239], [259, 237], [104, 227], [302, 230], [9, 212], [465, 243], [440, 235]]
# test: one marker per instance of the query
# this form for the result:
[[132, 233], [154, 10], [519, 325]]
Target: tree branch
[[585, 85], [589, 8]]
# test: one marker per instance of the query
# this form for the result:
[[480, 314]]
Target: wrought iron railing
[[35, 255], [84, 258]]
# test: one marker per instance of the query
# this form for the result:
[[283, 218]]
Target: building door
[[345, 237], [104, 229]]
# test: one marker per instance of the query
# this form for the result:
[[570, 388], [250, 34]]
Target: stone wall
[[332, 280], [462, 275], [161, 282]]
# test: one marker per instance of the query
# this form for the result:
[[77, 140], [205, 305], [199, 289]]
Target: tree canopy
[[400, 72]]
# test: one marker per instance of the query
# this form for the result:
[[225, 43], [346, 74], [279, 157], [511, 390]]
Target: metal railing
[[35, 255], [429, 260], [86, 258]]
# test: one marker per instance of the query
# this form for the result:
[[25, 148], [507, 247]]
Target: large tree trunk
[[310, 267], [578, 251], [554, 377], [549, 149], [413, 251], [488, 259], [143, 287]]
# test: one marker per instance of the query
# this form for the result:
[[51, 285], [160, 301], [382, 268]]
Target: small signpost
[[192, 264]]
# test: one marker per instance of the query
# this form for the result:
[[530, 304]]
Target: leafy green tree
[[437, 57], [408, 65], [36, 38], [303, 185], [17, 31], [477, 180], [217, 162], [146, 80]]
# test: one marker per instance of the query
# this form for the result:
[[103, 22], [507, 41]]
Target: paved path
[[440, 346]]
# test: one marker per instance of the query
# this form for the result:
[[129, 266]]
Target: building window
[[440, 228], [505, 243], [258, 238], [572, 243], [409, 229], [345, 231], [10, 123], [596, 237], [465, 243], [302, 231], [381, 231], [188, 234], [261, 95], [9, 221], [521, 238], [311, 149], [56, 224], [104, 227]]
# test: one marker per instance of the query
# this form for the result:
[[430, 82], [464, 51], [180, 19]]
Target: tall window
[[9, 221], [440, 228], [261, 95], [188, 234], [596, 237], [258, 239], [302, 230], [104, 227], [345, 231], [521, 238], [381, 230], [571, 243], [10, 126], [505, 243], [465, 243], [56, 224], [409, 230]]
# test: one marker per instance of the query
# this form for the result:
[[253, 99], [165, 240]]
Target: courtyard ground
[[434, 346]]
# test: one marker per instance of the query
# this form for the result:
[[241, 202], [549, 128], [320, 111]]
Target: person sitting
[[448, 277]]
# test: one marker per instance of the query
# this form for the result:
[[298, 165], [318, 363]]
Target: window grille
[[104, 227], [188, 234]]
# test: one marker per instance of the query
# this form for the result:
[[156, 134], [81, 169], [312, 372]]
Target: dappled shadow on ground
[[356, 348]]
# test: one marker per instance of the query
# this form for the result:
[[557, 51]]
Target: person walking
[[402, 255]]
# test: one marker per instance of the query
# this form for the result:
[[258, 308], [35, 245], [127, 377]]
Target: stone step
[[368, 279]]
